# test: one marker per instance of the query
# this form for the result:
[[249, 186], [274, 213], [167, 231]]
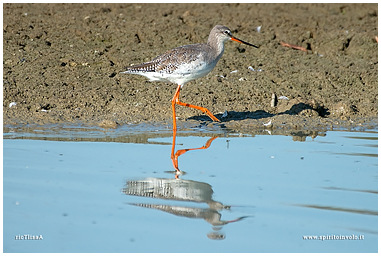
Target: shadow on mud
[[296, 109]]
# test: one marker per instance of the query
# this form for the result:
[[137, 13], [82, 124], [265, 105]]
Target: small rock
[[309, 113], [108, 124], [342, 109]]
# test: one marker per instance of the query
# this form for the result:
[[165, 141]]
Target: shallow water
[[93, 190]]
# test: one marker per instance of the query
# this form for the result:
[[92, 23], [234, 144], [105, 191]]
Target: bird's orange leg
[[174, 156], [175, 100]]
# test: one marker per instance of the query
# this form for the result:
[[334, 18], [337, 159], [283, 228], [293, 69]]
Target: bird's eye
[[227, 32]]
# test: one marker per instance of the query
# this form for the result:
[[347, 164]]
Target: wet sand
[[62, 64]]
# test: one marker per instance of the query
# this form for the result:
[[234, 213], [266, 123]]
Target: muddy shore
[[62, 64]]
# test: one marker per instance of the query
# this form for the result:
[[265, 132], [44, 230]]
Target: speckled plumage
[[185, 63], [179, 65]]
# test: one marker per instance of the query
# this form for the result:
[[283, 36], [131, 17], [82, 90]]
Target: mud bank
[[62, 64]]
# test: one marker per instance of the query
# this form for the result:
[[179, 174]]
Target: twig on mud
[[293, 46]]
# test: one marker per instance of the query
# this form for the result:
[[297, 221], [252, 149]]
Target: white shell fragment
[[252, 69], [268, 123], [274, 100], [258, 29], [283, 98], [234, 71], [12, 104]]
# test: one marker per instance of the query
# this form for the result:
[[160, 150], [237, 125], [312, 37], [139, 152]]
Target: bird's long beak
[[243, 42]]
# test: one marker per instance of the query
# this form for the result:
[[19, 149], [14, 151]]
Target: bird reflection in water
[[182, 190]]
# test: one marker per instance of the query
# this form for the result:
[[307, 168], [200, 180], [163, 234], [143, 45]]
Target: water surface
[[118, 191]]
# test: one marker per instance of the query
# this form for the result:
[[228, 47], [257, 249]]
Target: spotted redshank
[[187, 63]]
